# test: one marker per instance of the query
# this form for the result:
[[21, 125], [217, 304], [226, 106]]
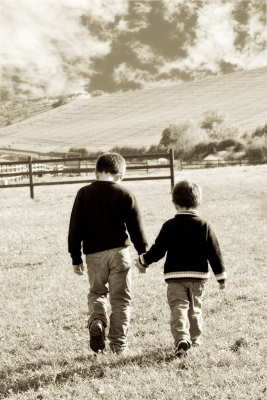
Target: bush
[[239, 146], [224, 131], [59, 102], [226, 143], [181, 137], [80, 151], [156, 148], [256, 153], [260, 131], [211, 119], [168, 137], [128, 151], [201, 150]]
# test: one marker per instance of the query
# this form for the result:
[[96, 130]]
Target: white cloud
[[142, 7], [143, 52], [124, 73], [254, 53], [215, 38], [172, 6], [45, 43]]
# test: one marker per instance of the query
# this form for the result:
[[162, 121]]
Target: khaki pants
[[185, 301], [109, 273]]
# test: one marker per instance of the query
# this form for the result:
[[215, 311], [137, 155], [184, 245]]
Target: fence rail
[[216, 163], [21, 173]]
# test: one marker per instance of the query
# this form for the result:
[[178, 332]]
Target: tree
[[82, 151], [182, 137], [211, 119], [168, 136]]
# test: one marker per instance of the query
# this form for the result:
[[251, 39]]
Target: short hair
[[112, 163], [186, 194]]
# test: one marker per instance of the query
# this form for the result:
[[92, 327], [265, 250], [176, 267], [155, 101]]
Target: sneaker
[[117, 349], [181, 348], [97, 336]]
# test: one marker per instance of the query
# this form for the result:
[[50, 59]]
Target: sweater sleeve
[[75, 230], [158, 249], [215, 256], [134, 225]]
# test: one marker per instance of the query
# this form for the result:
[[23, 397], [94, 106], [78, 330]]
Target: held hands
[[78, 269], [140, 266]]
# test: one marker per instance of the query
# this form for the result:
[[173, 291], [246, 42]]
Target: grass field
[[43, 306], [137, 118]]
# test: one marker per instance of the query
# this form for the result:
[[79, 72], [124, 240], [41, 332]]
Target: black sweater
[[191, 246], [102, 214]]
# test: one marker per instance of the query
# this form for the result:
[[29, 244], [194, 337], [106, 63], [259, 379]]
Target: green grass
[[43, 305], [137, 118]]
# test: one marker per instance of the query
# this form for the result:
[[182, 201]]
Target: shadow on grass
[[85, 367]]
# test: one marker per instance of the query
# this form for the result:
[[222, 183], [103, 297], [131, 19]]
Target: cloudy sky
[[50, 47]]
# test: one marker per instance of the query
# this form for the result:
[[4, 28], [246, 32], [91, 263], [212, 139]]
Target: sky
[[51, 48]]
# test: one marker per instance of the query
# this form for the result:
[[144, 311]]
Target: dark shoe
[[181, 348], [97, 336]]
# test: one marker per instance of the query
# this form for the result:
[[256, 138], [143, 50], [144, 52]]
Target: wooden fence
[[24, 173], [215, 163]]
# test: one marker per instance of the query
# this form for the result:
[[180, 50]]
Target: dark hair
[[112, 163], [186, 194]]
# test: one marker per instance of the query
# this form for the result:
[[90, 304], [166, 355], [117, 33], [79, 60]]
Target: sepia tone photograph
[[133, 207]]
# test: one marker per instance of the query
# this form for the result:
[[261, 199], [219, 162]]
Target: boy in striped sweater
[[190, 246]]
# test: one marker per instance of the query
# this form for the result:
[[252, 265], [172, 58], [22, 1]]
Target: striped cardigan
[[190, 246]]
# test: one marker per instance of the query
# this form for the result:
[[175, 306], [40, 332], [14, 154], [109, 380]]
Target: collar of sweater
[[187, 212]]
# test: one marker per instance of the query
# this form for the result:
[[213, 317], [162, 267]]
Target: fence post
[[171, 154], [31, 178]]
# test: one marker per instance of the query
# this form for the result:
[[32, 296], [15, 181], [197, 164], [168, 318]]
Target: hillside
[[137, 118]]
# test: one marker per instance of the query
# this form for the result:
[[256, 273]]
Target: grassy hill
[[137, 118]]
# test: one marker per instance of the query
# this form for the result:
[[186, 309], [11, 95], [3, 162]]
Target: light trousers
[[109, 273], [185, 302]]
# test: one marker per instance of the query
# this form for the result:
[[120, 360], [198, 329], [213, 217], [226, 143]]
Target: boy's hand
[[222, 285], [78, 269], [141, 268]]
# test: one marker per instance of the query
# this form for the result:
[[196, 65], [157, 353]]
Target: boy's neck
[[107, 177]]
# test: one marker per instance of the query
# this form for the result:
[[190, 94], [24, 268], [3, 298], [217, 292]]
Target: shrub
[[168, 136], [156, 148], [129, 151], [81, 151], [256, 153], [226, 143], [59, 102], [211, 119], [260, 131], [239, 146], [223, 131], [201, 150], [181, 137]]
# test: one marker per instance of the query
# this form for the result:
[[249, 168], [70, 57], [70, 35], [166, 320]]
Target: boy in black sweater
[[103, 215], [191, 245]]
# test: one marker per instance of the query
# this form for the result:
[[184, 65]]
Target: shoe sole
[[181, 350], [97, 338]]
